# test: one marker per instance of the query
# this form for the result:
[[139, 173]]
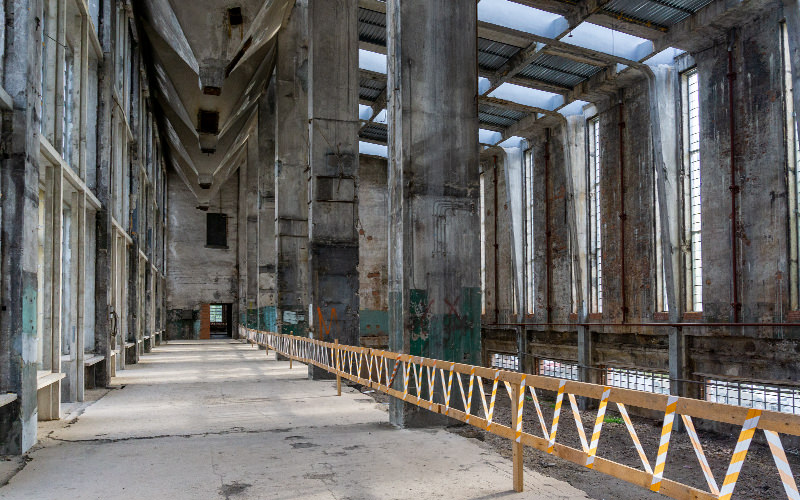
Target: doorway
[[221, 316]]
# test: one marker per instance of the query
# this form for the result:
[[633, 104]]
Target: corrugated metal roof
[[660, 12], [371, 26], [498, 116], [492, 55], [370, 89], [375, 132], [558, 70]]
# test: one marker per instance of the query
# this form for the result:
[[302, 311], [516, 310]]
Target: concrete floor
[[218, 419]]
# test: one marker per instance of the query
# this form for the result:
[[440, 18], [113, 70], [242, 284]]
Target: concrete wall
[[373, 251], [196, 274], [762, 230]]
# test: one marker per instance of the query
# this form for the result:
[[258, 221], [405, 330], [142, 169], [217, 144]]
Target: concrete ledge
[[7, 398], [93, 360], [45, 379]]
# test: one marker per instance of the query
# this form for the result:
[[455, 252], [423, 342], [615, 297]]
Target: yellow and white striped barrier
[[371, 367]]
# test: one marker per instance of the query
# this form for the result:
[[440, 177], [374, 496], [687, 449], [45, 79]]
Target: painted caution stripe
[[538, 411], [663, 447], [701, 457], [598, 426], [394, 371], [740, 453], [520, 402], [634, 437], [494, 395], [556, 413], [449, 387], [785, 471], [431, 386], [576, 414]]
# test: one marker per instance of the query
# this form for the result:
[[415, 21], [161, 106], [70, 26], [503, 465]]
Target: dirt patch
[[758, 480]]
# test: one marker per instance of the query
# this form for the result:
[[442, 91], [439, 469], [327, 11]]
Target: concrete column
[[574, 137], [19, 178], [267, 258], [251, 200], [104, 235], [333, 159], [434, 184], [241, 246], [61, 43], [79, 218], [663, 93], [291, 165]]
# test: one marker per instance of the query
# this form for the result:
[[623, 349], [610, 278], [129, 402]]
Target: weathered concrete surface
[[434, 183], [196, 274], [373, 248], [221, 420], [333, 172], [291, 177]]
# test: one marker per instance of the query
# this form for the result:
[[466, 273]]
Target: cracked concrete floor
[[219, 419]]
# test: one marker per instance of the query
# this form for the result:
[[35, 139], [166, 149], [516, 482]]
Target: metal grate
[[595, 219], [638, 380], [505, 361], [754, 395], [691, 116], [558, 369]]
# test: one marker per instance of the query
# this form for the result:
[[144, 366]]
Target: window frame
[[692, 190], [594, 216]]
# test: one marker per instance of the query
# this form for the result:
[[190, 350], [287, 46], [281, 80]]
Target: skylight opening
[[364, 112], [602, 39], [489, 136], [666, 56], [521, 17], [371, 61], [483, 85], [369, 148], [528, 96]]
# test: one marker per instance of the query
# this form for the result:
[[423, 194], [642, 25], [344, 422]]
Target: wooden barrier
[[372, 368]]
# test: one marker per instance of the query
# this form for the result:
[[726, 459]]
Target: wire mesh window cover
[[505, 361], [216, 230], [638, 380], [691, 116], [558, 369], [595, 219], [216, 313], [754, 395]]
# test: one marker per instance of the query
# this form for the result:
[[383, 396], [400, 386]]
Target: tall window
[[216, 231], [692, 189], [215, 313], [595, 223], [530, 289], [793, 161]]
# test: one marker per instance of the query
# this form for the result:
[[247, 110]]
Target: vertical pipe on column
[[622, 214], [734, 187], [547, 232], [496, 251]]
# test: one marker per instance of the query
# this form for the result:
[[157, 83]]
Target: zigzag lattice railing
[[430, 384]]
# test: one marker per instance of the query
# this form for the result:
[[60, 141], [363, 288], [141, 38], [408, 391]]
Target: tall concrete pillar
[[434, 184], [267, 258], [291, 171], [333, 159], [253, 171], [103, 229], [19, 178]]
